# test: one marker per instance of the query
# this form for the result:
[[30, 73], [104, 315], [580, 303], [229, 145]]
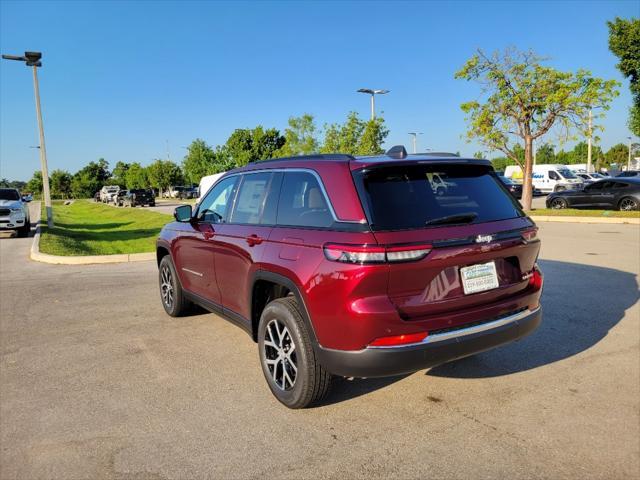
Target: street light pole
[[32, 59], [373, 93], [589, 141], [414, 139], [629, 159]]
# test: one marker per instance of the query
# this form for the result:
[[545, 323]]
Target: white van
[[206, 183], [548, 178]]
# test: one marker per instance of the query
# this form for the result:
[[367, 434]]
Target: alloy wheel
[[628, 204], [280, 355], [557, 203], [166, 286]]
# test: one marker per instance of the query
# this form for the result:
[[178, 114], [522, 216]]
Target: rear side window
[[213, 207], [251, 198], [418, 196], [302, 202]]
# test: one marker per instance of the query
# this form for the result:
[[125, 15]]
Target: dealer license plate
[[479, 278]]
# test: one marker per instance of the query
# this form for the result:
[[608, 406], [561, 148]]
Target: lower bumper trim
[[383, 362]]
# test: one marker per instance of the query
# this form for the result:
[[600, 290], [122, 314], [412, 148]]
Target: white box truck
[[548, 178]]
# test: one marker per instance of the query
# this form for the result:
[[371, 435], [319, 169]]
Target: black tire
[[628, 204], [558, 203], [25, 230], [171, 294], [311, 382]]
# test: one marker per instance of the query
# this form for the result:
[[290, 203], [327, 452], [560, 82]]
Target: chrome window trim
[[285, 170], [440, 337]]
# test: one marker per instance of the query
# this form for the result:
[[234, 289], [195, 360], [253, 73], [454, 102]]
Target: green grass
[[575, 212], [89, 228]]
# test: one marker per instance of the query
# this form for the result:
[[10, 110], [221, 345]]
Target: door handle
[[254, 240]]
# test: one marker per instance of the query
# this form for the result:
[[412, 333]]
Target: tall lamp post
[[32, 59], [373, 93], [629, 159], [414, 139]]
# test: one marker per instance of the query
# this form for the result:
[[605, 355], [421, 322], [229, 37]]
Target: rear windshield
[[418, 196]]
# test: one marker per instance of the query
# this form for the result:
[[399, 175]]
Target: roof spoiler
[[397, 151]]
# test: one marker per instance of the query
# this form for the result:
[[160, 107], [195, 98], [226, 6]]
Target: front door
[[240, 241], [194, 252]]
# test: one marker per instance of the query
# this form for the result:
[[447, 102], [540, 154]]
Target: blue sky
[[121, 79]]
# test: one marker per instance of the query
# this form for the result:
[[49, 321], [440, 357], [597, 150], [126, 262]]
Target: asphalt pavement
[[96, 381]]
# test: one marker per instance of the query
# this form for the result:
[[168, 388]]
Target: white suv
[[14, 212]]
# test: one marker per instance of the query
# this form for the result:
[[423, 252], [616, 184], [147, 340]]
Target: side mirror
[[182, 213]]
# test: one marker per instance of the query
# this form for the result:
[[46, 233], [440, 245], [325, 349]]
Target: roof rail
[[397, 151], [319, 156], [440, 154]]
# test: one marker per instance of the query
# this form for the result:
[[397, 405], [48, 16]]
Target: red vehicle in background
[[357, 267]]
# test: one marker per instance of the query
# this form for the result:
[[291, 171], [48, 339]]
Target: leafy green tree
[[164, 173], [250, 145], [61, 184], [5, 183], [355, 136], [34, 185], [136, 176], [624, 43], [300, 137], [119, 174], [523, 99], [88, 180], [617, 155], [203, 160], [545, 154]]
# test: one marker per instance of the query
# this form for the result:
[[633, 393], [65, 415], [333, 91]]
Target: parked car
[[122, 199], [96, 197], [187, 193], [14, 212], [173, 192], [339, 265], [108, 193], [548, 178], [628, 173], [516, 188], [610, 193], [140, 196], [589, 178]]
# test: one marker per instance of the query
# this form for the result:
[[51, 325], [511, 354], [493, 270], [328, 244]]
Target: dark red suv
[[356, 266]]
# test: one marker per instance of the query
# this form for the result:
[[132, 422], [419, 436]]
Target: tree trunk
[[527, 187]]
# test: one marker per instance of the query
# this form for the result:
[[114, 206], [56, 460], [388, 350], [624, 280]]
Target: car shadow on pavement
[[344, 389], [580, 304]]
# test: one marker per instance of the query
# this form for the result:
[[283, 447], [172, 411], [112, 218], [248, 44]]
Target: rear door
[[475, 231]]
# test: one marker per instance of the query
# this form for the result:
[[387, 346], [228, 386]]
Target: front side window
[[419, 196], [213, 208], [251, 198], [566, 173], [553, 175], [302, 202]]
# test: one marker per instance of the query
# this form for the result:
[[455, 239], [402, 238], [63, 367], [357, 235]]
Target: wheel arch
[[625, 197], [259, 298]]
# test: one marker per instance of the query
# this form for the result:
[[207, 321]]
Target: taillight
[[535, 280], [396, 340], [365, 254], [530, 235]]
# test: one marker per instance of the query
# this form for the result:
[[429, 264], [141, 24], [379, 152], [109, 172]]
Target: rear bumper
[[434, 350]]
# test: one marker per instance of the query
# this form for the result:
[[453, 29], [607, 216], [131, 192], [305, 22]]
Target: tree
[[88, 180], [355, 136], [34, 185], [624, 43], [203, 160], [525, 99], [119, 173], [545, 154], [617, 155], [163, 174], [18, 184], [61, 184], [136, 176], [250, 145], [299, 137]]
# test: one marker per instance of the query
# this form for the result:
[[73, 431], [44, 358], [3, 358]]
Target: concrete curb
[[38, 256], [553, 218]]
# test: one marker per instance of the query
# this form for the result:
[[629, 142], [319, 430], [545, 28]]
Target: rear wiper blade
[[458, 218]]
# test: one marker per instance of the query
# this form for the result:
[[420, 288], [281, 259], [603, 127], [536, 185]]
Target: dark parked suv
[[338, 265]]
